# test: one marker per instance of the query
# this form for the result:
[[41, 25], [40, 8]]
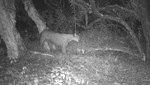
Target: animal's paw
[[80, 51]]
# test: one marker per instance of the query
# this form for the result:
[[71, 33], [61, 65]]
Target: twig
[[45, 54]]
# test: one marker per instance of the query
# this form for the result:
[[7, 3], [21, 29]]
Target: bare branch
[[95, 11], [45, 54], [122, 8]]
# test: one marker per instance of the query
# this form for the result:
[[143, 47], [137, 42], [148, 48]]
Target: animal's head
[[76, 38]]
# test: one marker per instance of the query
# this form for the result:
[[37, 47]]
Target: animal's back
[[47, 35]]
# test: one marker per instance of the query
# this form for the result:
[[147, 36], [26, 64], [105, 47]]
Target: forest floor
[[95, 68]]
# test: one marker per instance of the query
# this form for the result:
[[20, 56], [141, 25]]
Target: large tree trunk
[[32, 12], [8, 30]]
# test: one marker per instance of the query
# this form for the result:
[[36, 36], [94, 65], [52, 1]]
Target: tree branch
[[122, 8], [96, 12]]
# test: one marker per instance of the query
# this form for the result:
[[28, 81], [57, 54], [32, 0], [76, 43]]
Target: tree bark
[[8, 30], [32, 12]]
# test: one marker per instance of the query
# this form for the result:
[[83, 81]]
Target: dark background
[[146, 4]]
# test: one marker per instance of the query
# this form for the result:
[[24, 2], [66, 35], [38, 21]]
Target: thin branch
[[129, 29], [45, 54], [122, 8]]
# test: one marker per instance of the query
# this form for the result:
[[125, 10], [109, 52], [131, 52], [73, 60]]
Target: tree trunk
[[32, 12], [8, 30]]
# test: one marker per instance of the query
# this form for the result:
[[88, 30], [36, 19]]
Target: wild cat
[[58, 39]]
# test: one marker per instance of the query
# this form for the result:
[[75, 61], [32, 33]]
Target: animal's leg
[[54, 47], [46, 46], [64, 49]]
